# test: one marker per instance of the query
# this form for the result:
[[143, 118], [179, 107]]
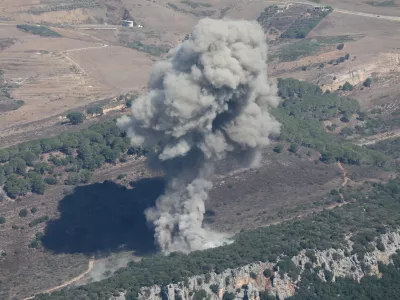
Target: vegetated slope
[[71, 157], [301, 113], [7, 101], [32, 166], [372, 210]]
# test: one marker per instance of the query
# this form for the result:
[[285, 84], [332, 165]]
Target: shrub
[[367, 82], [75, 117], [2, 220], [267, 273], [214, 288], [73, 179], [278, 148], [340, 46], [304, 68], [228, 296], [95, 110], [293, 148], [347, 86], [347, 56], [23, 213], [38, 221], [121, 176], [51, 180], [253, 275], [33, 210]]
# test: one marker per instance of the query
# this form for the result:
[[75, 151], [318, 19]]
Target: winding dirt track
[[66, 283]]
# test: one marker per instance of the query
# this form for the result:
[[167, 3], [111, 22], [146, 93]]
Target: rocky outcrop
[[249, 281], [384, 64]]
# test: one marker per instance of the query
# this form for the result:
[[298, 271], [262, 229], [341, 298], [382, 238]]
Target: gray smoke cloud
[[210, 97]]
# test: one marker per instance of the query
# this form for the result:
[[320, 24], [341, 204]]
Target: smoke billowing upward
[[210, 97]]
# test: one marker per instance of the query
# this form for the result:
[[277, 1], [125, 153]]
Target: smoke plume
[[210, 97]]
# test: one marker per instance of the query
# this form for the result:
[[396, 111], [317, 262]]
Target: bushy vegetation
[[75, 117], [33, 165], [307, 47], [7, 101], [367, 82], [304, 24], [150, 49], [195, 5], [374, 212], [301, 113], [382, 3], [95, 110], [38, 30], [38, 221]]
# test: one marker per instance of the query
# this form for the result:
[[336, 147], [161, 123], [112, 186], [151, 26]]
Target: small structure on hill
[[127, 23]]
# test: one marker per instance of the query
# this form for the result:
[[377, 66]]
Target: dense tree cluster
[[375, 212], [33, 165], [303, 108]]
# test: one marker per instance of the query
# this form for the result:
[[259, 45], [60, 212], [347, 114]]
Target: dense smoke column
[[210, 96]]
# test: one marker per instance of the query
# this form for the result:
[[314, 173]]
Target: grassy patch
[[150, 49], [308, 47], [390, 3], [195, 5], [304, 24], [38, 30]]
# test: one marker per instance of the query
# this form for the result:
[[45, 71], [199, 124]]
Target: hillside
[[315, 219]]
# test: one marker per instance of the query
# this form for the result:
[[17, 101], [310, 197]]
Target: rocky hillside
[[255, 281]]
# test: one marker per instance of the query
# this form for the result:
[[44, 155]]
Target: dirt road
[[355, 13], [67, 283]]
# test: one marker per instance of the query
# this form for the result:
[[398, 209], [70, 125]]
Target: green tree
[[85, 176], [2, 220], [214, 288], [18, 165], [340, 46], [347, 86], [200, 295], [51, 180], [347, 56], [278, 148], [367, 82], [293, 148], [23, 213], [16, 186], [228, 296], [37, 183], [95, 110], [267, 273], [75, 117], [73, 179]]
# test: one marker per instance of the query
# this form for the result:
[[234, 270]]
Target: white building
[[127, 23]]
